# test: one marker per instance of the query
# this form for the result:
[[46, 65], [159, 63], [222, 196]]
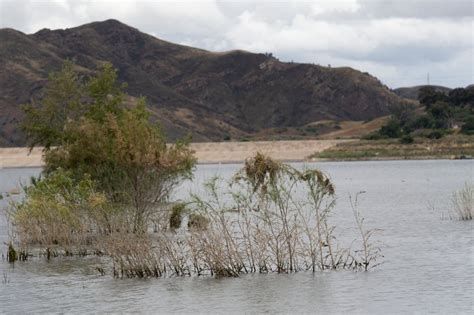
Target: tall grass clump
[[273, 218], [463, 203]]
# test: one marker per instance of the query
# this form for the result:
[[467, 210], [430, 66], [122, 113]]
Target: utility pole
[[428, 78]]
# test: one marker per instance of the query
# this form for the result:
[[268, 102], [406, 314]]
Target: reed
[[269, 217], [463, 203], [370, 252]]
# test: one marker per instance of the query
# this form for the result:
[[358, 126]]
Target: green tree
[[391, 130], [428, 95], [442, 114], [468, 127], [124, 154]]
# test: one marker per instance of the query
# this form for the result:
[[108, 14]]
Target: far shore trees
[[444, 112]]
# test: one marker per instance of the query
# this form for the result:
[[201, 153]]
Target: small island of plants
[[106, 189]]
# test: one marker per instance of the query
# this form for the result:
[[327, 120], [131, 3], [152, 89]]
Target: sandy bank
[[209, 152]]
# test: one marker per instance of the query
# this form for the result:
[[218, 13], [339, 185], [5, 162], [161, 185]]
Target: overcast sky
[[399, 41]]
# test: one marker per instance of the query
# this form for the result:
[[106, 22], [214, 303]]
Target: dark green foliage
[[392, 129], [461, 96], [443, 112], [176, 216], [436, 134], [406, 139], [44, 125], [421, 122], [12, 255], [468, 127], [429, 95], [374, 136]]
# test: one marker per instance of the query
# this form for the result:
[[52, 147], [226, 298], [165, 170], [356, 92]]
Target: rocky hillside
[[210, 95]]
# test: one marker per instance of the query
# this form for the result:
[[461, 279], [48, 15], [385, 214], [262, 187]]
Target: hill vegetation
[[442, 128], [213, 96], [444, 113]]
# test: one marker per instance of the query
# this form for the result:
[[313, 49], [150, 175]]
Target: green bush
[[406, 139], [436, 134], [60, 210], [391, 130], [176, 216], [468, 126], [87, 129]]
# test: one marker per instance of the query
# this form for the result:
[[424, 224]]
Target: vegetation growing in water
[[87, 131], [463, 203], [108, 177]]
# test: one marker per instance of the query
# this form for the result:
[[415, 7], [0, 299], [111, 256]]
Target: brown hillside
[[211, 95]]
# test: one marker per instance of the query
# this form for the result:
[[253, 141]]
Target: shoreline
[[208, 153], [205, 152]]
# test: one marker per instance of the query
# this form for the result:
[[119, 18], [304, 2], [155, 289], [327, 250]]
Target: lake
[[428, 265]]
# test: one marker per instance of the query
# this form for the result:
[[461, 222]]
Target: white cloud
[[392, 39]]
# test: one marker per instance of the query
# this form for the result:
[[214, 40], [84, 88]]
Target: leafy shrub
[[406, 139], [392, 129], [59, 210], [436, 134], [176, 216], [87, 130], [468, 126]]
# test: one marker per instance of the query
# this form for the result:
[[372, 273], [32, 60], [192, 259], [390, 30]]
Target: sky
[[401, 42]]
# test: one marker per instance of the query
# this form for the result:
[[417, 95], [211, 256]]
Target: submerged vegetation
[[463, 203], [108, 179], [270, 217]]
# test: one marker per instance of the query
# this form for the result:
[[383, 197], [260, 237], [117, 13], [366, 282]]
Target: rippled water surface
[[428, 265]]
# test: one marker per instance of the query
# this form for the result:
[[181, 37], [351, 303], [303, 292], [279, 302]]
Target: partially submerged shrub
[[463, 203], [261, 224], [87, 129], [197, 222], [176, 216], [12, 255], [132, 256], [57, 211], [270, 217]]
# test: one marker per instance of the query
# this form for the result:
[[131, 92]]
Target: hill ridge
[[213, 95]]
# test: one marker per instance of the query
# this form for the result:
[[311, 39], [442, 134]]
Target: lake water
[[428, 265]]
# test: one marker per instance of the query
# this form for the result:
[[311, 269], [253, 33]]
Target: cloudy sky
[[399, 41]]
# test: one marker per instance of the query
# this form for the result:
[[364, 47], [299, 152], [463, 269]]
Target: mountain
[[412, 91], [189, 90]]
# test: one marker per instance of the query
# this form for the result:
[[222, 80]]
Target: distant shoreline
[[205, 152], [286, 151]]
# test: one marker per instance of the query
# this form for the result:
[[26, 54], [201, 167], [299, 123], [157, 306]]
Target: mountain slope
[[210, 95]]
